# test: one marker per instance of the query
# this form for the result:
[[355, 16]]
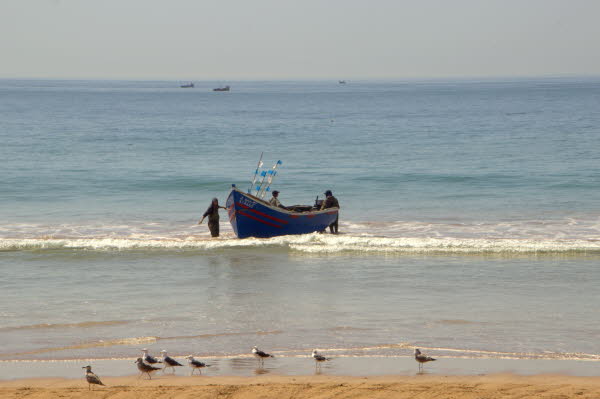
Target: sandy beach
[[422, 386]]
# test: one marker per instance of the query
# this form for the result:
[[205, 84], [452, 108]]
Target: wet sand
[[365, 366], [299, 387]]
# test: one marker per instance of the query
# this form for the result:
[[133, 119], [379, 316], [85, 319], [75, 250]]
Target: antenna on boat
[[272, 173], [258, 166], [259, 187]]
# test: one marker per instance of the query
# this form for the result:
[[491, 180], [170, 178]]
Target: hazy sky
[[278, 39]]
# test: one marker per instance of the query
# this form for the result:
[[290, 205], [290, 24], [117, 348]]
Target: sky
[[303, 39]]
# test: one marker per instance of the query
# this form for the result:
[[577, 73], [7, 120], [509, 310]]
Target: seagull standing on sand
[[169, 361], [260, 355], [196, 365], [91, 378], [147, 358], [319, 358], [419, 357], [145, 368]]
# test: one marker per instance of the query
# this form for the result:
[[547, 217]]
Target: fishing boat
[[251, 216], [226, 88], [187, 86]]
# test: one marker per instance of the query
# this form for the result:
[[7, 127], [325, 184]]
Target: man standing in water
[[331, 202], [213, 217]]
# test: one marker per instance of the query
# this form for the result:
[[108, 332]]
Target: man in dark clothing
[[213, 217], [331, 202]]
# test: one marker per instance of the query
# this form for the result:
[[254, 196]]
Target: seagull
[[91, 377], [419, 357], [319, 358], [147, 358], [196, 364], [260, 355], [169, 361], [145, 368]]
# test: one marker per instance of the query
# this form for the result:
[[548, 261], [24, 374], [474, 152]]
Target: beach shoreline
[[304, 367], [320, 386]]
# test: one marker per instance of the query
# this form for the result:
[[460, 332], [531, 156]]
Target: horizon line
[[311, 79]]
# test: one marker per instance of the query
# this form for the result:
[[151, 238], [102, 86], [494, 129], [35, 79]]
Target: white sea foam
[[317, 243], [443, 245], [521, 236]]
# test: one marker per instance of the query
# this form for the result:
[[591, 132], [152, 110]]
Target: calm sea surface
[[470, 219]]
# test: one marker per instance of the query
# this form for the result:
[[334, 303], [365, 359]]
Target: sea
[[469, 225]]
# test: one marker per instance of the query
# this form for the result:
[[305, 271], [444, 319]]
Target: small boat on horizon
[[187, 86], [225, 88], [342, 82]]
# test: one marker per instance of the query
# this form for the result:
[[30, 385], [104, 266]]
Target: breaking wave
[[318, 244]]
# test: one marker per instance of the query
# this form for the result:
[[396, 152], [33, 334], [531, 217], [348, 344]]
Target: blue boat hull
[[252, 217]]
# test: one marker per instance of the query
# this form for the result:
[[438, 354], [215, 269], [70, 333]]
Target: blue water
[[470, 218], [476, 150]]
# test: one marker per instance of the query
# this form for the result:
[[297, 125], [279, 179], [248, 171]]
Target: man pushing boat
[[331, 202], [213, 217]]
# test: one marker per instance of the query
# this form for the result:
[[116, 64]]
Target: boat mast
[[272, 173], [258, 166], [259, 188]]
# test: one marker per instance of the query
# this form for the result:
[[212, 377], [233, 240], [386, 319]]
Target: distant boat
[[342, 82], [187, 86], [226, 88]]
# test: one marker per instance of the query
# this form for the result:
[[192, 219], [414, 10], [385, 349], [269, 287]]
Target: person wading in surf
[[331, 202], [213, 217]]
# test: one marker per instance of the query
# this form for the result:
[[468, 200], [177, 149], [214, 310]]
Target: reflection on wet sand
[[260, 371]]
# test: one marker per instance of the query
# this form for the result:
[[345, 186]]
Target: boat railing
[[289, 209]]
